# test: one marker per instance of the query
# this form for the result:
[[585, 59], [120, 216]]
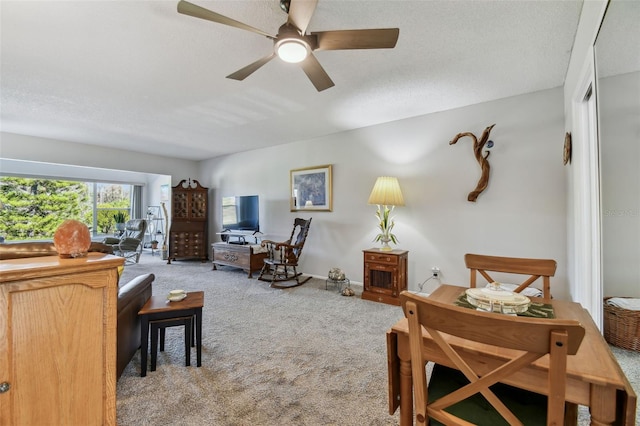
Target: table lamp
[[386, 194]]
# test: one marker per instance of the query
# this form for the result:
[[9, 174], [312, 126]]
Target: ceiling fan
[[293, 44]]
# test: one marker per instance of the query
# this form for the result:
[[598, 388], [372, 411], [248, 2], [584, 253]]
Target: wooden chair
[[282, 259], [535, 268], [534, 337]]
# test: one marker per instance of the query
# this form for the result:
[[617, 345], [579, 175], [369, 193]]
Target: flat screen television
[[241, 213]]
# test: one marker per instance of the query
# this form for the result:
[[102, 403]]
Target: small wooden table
[[159, 308], [385, 275], [594, 377]]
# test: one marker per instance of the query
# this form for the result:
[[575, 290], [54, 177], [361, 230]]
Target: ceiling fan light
[[292, 50]]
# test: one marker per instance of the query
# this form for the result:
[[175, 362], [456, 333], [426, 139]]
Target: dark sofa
[[131, 296]]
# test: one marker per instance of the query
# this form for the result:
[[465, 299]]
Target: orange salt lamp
[[72, 239]]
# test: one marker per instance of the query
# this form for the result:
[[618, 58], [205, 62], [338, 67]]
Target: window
[[33, 208]]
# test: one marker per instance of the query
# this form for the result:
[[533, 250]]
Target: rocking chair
[[282, 259]]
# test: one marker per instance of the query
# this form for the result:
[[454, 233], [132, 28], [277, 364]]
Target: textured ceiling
[[137, 75]]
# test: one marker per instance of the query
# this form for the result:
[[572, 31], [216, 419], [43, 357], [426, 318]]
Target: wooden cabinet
[[242, 256], [58, 340], [188, 233], [385, 275]]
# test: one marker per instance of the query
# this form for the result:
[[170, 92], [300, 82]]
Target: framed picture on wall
[[164, 192], [311, 189]]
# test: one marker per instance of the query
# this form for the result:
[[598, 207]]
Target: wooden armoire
[[189, 213]]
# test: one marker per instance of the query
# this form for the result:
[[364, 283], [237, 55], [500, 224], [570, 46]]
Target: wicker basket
[[622, 327]]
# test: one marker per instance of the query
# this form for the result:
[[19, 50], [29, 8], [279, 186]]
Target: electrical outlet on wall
[[435, 275]]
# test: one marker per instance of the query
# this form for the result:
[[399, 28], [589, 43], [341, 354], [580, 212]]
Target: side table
[[158, 308], [337, 283], [159, 328], [385, 275]]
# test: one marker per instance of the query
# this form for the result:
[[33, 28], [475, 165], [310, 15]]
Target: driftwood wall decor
[[478, 145]]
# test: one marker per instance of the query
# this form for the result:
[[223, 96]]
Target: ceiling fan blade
[[191, 9], [383, 38], [316, 73], [245, 72], [300, 13]]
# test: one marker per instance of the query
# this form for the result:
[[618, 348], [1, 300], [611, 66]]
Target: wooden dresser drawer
[[381, 258]]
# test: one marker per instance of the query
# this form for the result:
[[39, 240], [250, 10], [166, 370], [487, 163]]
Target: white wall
[[33, 156], [619, 117], [51, 170], [521, 213], [30, 148], [585, 255], [582, 221]]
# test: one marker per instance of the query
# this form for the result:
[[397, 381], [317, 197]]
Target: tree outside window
[[33, 208]]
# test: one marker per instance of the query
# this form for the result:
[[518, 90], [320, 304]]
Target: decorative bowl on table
[[493, 298]]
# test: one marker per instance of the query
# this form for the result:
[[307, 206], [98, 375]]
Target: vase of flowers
[[385, 225]]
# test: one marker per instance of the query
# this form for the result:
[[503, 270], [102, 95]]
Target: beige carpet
[[303, 356]]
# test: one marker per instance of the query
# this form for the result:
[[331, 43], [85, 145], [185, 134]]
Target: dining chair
[[532, 338], [534, 268]]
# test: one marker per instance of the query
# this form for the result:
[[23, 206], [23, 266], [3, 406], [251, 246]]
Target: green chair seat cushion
[[529, 407], [129, 244]]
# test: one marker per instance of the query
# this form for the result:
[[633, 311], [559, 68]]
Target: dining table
[[594, 377]]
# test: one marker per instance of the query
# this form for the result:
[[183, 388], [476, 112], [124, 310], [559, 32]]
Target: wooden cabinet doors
[[58, 340], [188, 234]]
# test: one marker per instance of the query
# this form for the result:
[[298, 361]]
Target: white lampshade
[[386, 192]]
